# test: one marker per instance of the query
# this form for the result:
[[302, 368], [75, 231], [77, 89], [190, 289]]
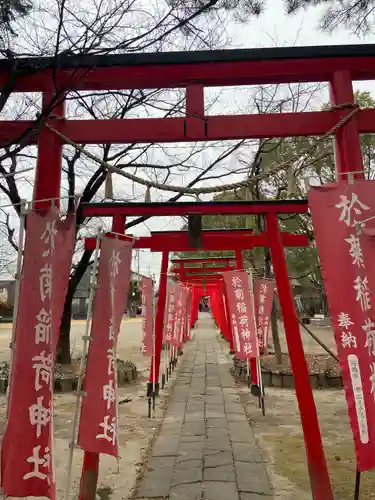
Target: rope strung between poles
[[225, 187]]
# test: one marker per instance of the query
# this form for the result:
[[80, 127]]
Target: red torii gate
[[338, 65], [177, 241], [196, 275]]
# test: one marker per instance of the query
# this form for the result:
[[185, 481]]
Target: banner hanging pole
[[164, 375], [153, 346], [257, 362], [18, 276], [115, 341], [357, 484], [86, 339]]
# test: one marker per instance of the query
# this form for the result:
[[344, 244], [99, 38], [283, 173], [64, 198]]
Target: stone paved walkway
[[206, 448]]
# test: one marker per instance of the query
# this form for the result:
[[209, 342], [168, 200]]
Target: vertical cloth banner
[[241, 313], [189, 304], [98, 426], [264, 291], [340, 213], [169, 313], [27, 447], [178, 316], [148, 316]]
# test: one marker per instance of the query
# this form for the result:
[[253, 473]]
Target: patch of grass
[[104, 493], [289, 455]]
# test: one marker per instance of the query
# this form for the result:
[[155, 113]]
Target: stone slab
[[246, 452], [220, 473], [218, 443], [216, 490], [194, 429], [186, 492], [218, 459], [234, 408], [188, 446], [157, 479], [237, 417], [252, 478], [240, 432], [189, 473], [217, 423], [166, 445]]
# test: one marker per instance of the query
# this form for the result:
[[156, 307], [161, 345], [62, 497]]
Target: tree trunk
[[63, 355], [274, 324], [275, 332], [63, 347]]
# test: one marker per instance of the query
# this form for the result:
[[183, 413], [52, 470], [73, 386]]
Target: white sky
[[271, 29]]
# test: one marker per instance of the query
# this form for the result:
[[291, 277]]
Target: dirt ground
[[116, 479]]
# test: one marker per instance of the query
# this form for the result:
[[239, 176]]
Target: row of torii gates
[[170, 242], [338, 65]]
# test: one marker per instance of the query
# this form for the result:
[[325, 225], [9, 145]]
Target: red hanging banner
[[241, 313], [98, 426], [178, 316], [189, 303], [27, 445], [263, 299], [169, 313], [148, 316], [341, 214]]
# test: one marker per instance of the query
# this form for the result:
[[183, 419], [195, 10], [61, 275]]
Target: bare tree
[[106, 27]]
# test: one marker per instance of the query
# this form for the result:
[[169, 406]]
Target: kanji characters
[[43, 327], [114, 262], [38, 462], [109, 394], [369, 328], [344, 320], [45, 282], [109, 430], [43, 369], [348, 207], [236, 282], [245, 334], [111, 330], [243, 321], [363, 292], [355, 250], [48, 238], [241, 307], [39, 415], [247, 348], [111, 361], [348, 340]]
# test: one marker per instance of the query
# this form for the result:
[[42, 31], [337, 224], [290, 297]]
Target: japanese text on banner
[[98, 426], [340, 213], [241, 313], [264, 290], [27, 460], [147, 316], [169, 313]]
